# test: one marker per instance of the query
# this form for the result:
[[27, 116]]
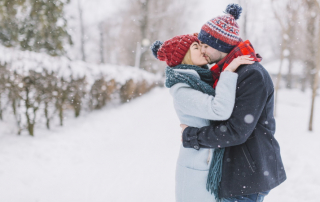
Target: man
[[251, 164]]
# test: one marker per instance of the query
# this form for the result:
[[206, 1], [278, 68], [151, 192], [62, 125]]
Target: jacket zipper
[[247, 159]]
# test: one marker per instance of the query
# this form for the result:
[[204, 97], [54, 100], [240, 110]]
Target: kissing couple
[[228, 151]]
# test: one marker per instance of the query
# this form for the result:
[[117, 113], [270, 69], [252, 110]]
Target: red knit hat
[[173, 50]]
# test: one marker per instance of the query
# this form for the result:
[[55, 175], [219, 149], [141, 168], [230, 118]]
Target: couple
[[228, 150]]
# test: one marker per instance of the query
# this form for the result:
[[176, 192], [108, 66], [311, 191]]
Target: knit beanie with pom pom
[[222, 32], [173, 50]]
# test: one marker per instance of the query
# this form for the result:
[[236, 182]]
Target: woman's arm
[[198, 104]]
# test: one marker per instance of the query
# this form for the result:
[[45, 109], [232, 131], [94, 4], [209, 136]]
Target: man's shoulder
[[254, 71], [255, 67]]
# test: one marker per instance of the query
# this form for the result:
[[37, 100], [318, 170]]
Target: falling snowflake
[[223, 128], [248, 118]]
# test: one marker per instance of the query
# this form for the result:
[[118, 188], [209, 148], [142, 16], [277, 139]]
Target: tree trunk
[[278, 79], [305, 76], [14, 106], [82, 32], [316, 80], [101, 43], [244, 4], [311, 46], [1, 118], [61, 115], [284, 31], [31, 129], [144, 32], [289, 74], [138, 55], [314, 94], [77, 105], [30, 125], [46, 113]]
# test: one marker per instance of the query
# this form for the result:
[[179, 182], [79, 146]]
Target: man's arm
[[251, 97]]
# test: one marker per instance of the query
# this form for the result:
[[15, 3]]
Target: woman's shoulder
[[177, 88]]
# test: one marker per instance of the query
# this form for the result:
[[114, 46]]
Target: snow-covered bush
[[37, 88]]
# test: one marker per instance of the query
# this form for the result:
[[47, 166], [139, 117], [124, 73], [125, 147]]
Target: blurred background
[[67, 59]]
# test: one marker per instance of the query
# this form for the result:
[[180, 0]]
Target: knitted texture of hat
[[173, 50], [222, 32]]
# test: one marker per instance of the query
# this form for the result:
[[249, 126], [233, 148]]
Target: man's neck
[[223, 55]]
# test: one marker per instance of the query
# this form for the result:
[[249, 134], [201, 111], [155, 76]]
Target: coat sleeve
[[198, 104], [251, 98]]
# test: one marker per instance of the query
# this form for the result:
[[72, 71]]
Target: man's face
[[212, 55]]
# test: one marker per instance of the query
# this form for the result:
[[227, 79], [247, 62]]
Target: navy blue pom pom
[[235, 10], [155, 47]]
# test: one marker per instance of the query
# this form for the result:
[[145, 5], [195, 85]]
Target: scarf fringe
[[215, 173]]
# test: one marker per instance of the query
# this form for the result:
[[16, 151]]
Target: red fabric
[[244, 48], [173, 50]]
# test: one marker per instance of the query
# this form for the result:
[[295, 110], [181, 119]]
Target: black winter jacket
[[252, 161]]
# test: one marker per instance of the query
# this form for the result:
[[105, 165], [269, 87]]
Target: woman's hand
[[182, 129], [240, 60]]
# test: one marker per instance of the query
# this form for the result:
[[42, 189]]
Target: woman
[[187, 69]]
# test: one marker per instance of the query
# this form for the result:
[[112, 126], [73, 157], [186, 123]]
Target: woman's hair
[[187, 59]]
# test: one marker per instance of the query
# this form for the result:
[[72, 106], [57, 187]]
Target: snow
[[129, 152]]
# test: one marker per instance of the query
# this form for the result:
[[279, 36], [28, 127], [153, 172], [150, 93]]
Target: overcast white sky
[[207, 9]]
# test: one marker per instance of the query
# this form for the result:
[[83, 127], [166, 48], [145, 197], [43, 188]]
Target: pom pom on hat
[[155, 48], [235, 10]]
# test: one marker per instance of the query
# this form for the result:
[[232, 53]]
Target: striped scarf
[[244, 48]]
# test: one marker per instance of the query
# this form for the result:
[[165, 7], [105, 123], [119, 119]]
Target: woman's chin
[[200, 64]]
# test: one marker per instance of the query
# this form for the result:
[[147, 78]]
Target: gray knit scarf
[[204, 84]]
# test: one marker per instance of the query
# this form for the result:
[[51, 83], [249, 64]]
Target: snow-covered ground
[[128, 153]]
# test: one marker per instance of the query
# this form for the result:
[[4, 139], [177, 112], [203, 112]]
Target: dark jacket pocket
[[248, 157]]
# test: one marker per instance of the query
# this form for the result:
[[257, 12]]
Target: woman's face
[[197, 57]]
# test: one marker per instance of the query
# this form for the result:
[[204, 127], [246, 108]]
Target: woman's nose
[[202, 50]]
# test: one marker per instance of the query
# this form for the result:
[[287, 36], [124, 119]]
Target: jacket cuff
[[190, 138]]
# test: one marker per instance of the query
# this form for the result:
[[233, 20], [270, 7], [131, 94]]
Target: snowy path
[[128, 154]]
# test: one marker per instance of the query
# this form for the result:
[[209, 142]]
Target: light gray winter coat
[[196, 109]]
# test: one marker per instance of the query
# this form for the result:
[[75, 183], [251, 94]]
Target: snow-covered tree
[[35, 25]]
